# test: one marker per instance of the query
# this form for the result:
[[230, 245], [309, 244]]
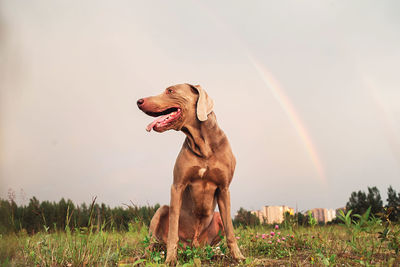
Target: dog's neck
[[203, 138]]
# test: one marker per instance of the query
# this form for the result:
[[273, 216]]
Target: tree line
[[46, 215], [359, 202]]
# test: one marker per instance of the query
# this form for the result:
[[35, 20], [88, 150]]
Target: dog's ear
[[205, 104]]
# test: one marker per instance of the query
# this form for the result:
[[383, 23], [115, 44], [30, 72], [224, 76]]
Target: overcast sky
[[307, 93]]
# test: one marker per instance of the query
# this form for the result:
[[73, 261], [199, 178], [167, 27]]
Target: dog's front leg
[[224, 205], [173, 232]]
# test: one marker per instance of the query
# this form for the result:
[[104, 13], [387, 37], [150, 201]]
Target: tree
[[33, 220], [359, 202], [301, 219], [245, 218], [394, 204], [374, 200]]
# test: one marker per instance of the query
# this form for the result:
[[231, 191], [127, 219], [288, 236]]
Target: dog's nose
[[140, 102]]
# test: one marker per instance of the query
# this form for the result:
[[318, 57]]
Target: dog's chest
[[206, 174], [201, 172], [202, 191]]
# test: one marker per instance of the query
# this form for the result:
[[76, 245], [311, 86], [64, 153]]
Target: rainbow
[[276, 90]]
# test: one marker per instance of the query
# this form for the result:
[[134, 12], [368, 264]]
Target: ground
[[374, 244]]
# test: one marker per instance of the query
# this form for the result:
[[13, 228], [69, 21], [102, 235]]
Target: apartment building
[[331, 214], [323, 215], [272, 214]]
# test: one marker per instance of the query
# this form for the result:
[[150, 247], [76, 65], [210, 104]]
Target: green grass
[[370, 243]]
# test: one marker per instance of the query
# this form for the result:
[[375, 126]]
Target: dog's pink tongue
[[159, 119]]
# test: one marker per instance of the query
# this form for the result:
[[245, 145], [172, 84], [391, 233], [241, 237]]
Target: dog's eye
[[170, 91]]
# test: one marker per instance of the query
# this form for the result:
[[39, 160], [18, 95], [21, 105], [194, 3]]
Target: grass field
[[364, 243]]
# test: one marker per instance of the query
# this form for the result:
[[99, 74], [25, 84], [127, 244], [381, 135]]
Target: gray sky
[[307, 93]]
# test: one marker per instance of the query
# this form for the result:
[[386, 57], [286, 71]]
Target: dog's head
[[177, 106]]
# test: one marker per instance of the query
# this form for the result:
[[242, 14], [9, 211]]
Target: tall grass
[[77, 248]]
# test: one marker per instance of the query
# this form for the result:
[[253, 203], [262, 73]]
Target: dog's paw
[[237, 255], [171, 258]]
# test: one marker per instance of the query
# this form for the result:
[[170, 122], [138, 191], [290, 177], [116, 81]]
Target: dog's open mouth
[[164, 118]]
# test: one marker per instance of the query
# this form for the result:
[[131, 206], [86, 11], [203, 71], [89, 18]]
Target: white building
[[272, 214]]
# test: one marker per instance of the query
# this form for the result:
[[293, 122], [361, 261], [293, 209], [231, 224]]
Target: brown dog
[[202, 173]]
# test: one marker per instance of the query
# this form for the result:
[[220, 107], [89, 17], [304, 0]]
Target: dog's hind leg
[[158, 230]]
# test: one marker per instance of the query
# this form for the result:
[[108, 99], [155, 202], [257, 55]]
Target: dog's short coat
[[202, 174]]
